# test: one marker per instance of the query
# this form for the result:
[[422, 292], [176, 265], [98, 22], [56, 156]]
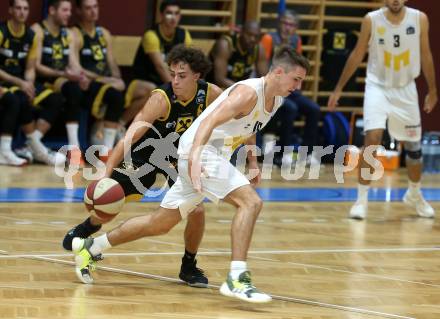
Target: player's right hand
[[333, 101], [28, 88], [84, 82], [72, 75], [195, 171]]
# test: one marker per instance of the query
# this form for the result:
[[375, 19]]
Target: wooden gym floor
[[314, 261]]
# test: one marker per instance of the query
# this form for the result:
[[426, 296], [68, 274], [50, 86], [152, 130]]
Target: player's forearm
[[163, 73], [202, 136], [30, 75], [91, 75], [6, 77], [116, 72], [251, 150], [224, 82], [115, 158], [429, 73], [350, 67], [49, 72]]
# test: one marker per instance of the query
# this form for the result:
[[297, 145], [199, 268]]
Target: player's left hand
[[254, 174], [430, 102], [195, 170]]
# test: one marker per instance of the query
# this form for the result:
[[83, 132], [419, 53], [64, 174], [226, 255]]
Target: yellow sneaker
[[243, 289], [85, 262]]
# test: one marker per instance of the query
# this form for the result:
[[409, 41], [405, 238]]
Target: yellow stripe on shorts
[[40, 97], [98, 101], [129, 93]]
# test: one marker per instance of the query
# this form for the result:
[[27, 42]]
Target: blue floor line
[[62, 195]]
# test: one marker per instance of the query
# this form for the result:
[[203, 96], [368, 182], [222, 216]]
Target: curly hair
[[195, 58]]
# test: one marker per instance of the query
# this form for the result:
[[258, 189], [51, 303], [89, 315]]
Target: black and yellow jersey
[[179, 118], [240, 63], [15, 49], [154, 41], [55, 50], [93, 51]]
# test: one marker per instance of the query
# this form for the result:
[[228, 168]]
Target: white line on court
[[212, 253], [277, 297], [255, 252]]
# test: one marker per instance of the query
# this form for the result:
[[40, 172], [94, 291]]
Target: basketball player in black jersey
[[17, 75], [149, 67], [93, 45], [171, 109], [58, 68], [236, 56]]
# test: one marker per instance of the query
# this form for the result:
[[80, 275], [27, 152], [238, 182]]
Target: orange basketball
[[104, 198]]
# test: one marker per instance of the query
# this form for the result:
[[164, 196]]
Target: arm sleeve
[[150, 42], [266, 42], [299, 47]]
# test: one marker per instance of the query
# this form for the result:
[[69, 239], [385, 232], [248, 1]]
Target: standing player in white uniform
[[205, 171], [396, 37]]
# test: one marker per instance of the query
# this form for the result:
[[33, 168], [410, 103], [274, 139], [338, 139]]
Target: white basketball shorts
[[219, 179], [400, 106]]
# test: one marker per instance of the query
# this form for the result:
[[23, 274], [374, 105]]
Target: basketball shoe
[[243, 289], [192, 275], [359, 210], [85, 262], [83, 230], [416, 200]]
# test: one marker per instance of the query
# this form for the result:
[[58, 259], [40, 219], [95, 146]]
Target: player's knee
[[163, 223], [253, 203], [413, 152], [372, 140], [197, 217], [51, 107], [198, 212]]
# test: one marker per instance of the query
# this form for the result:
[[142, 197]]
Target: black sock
[[188, 258], [88, 226]]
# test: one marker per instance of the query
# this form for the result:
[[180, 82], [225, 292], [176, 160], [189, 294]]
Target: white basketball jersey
[[394, 50], [228, 136]]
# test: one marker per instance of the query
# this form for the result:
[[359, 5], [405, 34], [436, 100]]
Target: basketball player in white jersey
[[397, 41], [232, 119]]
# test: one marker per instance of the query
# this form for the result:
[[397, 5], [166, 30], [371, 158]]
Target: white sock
[[38, 134], [72, 133], [100, 244], [414, 187], [35, 142], [6, 143], [363, 193], [109, 137], [237, 267]]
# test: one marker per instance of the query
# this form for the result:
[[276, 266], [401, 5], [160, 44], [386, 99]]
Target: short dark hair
[[12, 2], [195, 58], [55, 3], [287, 56], [165, 3]]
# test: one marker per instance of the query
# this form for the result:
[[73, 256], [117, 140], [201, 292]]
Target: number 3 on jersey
[[396, 40]]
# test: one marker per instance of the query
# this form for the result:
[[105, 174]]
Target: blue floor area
[[62, 195]]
